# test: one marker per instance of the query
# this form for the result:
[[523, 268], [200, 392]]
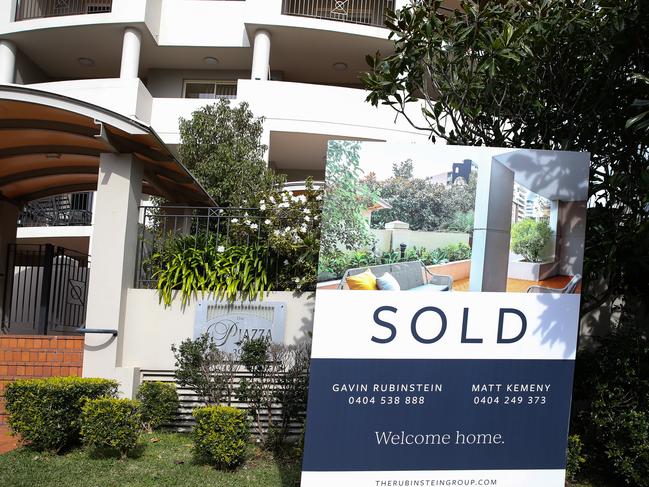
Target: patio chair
[[411, 276], [569, 288]]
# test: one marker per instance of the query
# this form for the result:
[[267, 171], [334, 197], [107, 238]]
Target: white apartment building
[[295, 62]]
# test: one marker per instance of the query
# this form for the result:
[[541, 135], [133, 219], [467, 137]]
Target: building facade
[[296, 63]]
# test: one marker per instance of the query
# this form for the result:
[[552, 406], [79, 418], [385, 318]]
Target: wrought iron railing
[[367, 12], [74, 209], [220, 227], [35, 9]]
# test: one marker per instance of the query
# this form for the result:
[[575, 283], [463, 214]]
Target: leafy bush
[[249, 252], [575, 458], [462, 221], [46, 412], [529, 238], [202, 367], [612, 405], [158, 403], [113, 424], [198, 265], [221, 435], [335, 267]]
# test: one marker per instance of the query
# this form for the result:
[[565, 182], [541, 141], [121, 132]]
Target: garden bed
[[166, 461]]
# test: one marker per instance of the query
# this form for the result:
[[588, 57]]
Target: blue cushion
[[430, 287], [387, 282]]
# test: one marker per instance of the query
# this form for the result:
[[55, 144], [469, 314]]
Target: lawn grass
[[166, 461]]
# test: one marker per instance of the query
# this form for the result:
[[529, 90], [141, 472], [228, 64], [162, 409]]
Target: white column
[[261, 55], [554, 226], [114, 243], [492, 228], [7, 62], [8, 224], [130, 53]]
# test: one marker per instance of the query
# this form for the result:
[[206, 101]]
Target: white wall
[[125, 96], [302, 108], [122, 12], [150, 329], [391, 239]]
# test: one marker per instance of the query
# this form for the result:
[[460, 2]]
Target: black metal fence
[[45, 289], [220, 227], [35, 9], [367, 12], [72, 209]]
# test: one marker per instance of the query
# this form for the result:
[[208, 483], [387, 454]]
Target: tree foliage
[[421, 202], [543, 74], [529, 238], [222, 148], [343, 222]]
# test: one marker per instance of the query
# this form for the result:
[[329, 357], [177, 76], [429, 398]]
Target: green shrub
[[221, 435], [612, 406], [158, 403], [46, 412], [113, 424], [529, 238], [197, 265], [574, 458]]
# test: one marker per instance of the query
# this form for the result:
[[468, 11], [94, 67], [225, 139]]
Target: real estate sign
[[425, 387]]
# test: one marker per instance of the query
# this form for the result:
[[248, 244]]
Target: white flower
[[272, 200], [306, 218], [261, 202], [245, 214], [303, 228], [315, 218], [267, 221], [220, 248], [287, 229], [318, 198], [296, 280], [235, 220], [254, 226], [307, 211], [262, 207], [302, 198], [276, 232], [295, 199], [286, 262]]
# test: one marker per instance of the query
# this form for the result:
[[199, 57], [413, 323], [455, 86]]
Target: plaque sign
[[231, 323]]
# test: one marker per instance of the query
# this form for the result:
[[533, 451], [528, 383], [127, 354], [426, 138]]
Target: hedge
[[113, 424], [221, 435], [46, 412]]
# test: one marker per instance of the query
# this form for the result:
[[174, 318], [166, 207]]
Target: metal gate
[[45, 290]]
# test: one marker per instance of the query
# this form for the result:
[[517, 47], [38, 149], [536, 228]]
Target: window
[[210, 89]]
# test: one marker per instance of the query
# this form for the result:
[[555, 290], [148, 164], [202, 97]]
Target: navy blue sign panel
[[419, 414]]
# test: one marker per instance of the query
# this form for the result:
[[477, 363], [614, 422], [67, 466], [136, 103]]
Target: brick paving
[[7, 442]]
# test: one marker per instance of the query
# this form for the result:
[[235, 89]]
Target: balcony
[[73, 209], [37, 9], [365, 12]]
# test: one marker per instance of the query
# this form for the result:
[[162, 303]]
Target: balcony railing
[[366, 12], [73, 209], [36, 9]]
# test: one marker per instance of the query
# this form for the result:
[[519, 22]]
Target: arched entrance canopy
[[50, 144]]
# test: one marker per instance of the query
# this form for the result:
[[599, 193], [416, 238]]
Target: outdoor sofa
[[411, 276], [569, 288]]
